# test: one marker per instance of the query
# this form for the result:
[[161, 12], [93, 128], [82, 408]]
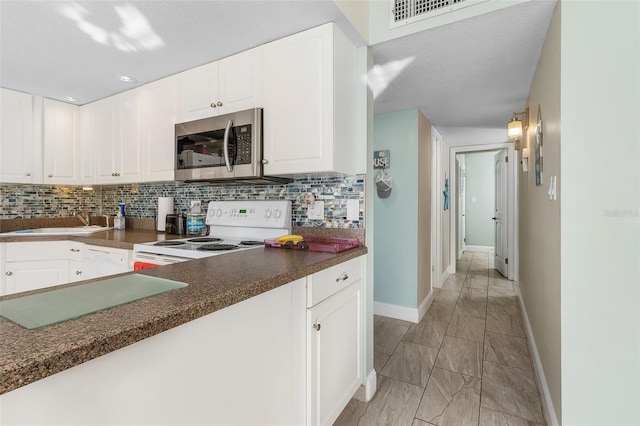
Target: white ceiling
[[472, 73]]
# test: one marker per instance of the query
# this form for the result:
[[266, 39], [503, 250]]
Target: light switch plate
[[353, 209], [315, 211]]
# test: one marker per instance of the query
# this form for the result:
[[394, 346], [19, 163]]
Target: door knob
[[316, 326]]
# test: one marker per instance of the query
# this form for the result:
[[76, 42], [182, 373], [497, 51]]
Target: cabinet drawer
[[325, 283], [38, 250]]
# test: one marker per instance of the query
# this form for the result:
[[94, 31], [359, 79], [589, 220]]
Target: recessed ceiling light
[[127, 79], [70, 99]]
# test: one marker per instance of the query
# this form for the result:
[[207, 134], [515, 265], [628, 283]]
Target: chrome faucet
[[84, 218]]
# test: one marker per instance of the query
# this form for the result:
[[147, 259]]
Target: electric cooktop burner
[[170, 243], [217, 247], [204, 240], [252, 243]]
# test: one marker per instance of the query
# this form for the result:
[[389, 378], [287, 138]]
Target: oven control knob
[[277, 214], [219, 212], [267, 214]]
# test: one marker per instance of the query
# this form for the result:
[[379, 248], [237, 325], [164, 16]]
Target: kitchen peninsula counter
[[214, 283]]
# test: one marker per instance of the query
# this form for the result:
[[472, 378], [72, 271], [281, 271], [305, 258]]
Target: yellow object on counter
[[295, 239]]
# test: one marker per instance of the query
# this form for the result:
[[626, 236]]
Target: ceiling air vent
[[404, 12]]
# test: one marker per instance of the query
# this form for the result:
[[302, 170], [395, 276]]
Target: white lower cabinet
[[334, 339], [334, 354], [254, 362], [33, 265], [25, 276]]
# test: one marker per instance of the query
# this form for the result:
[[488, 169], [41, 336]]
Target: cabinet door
[[199, 92], [76, 271], [86, 163], [103, 139], [298, 114], [240, 81], [116, 138], [128, 144], [25, 276], [61, 149], [334, 354], [16, 137], [159, 147]]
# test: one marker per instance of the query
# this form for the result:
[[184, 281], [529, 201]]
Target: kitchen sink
[[72, 230]]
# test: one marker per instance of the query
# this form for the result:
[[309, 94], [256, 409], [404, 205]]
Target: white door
[[462, 225], [500, 216]]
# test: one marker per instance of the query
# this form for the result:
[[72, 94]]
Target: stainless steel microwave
[[226, 148]]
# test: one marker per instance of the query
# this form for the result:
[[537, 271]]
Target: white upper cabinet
[[229, 85], [115, 138], [311, 100], [158, 129], [16, 137], [61, 149]]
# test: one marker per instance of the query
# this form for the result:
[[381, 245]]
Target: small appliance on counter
[[175, 224]]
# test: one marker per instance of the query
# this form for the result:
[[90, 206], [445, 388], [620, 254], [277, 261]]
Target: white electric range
[[233, 226]]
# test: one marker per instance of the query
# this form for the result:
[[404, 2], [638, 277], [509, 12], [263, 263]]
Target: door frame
[[512, 202]]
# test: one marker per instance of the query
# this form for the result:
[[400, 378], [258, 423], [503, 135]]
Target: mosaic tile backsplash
[[38, 201]]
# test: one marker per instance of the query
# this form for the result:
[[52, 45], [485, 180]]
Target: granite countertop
[[111, 238], [213, 283]]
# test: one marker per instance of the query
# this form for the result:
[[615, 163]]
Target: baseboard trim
[[478, 248], [547, 403], [367, 390], [425, 305], [396, 311], [445, 275]]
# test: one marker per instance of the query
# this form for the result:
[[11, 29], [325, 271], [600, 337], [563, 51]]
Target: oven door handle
[[227, 130]]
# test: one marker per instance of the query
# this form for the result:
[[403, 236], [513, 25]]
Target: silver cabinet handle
[[265, 161], [213, 105], [219, 104], [8, 273], [28, 174], [75, 250], [316, 326], [78, 272], [50, 176], [342, 277]]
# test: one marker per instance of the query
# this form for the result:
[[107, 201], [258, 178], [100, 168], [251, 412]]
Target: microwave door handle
[[227, 130]]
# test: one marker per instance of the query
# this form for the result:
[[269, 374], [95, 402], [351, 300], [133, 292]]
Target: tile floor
[[466, 363]]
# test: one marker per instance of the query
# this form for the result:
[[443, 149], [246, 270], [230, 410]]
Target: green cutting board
[[39, 310]]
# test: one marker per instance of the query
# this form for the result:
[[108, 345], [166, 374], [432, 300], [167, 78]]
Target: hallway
[[466, 363]]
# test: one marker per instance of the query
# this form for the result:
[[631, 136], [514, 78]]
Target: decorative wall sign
[[381, 159], [538, 149]]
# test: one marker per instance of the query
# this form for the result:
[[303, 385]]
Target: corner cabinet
[[335, 340], [229, 85], [16, 137], [311, 91]]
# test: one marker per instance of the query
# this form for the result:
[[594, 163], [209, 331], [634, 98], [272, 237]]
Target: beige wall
[[540, 218], [357, 11], [424, 207]]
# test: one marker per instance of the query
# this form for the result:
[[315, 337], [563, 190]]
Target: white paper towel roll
[[165, 207]]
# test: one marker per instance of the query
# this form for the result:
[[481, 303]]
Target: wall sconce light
[[514, 127]]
